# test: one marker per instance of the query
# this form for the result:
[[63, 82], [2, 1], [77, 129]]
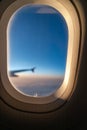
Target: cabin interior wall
[[71, 116]]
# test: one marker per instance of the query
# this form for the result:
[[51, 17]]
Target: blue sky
[[38, 38]]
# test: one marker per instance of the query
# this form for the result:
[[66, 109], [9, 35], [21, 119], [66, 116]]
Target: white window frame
[[53, 101]]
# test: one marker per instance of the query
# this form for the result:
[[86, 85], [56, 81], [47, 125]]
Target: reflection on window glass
[[37, 42]]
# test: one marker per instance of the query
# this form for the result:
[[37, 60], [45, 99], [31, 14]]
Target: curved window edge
[[61, 95]]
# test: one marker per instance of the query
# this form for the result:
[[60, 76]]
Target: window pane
[[38, 42]]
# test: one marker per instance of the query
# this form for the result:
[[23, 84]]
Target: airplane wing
[[13, 72]]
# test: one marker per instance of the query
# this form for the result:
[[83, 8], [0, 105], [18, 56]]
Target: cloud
[[35, 84]]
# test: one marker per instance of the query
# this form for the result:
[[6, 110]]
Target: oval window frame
[[55, 100]]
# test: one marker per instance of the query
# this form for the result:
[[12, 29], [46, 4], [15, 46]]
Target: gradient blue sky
[[38, 38]]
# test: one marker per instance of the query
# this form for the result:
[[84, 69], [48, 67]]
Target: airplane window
[[37, 50]]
